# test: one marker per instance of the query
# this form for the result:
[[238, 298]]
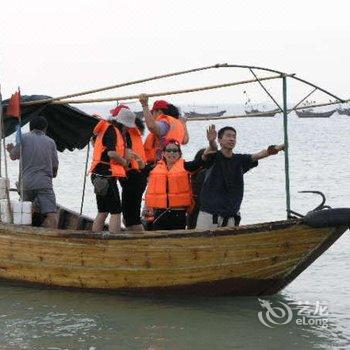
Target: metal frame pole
[[85, 175], [286, 145]]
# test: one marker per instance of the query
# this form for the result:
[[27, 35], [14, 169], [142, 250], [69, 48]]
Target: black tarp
[[70, 127]]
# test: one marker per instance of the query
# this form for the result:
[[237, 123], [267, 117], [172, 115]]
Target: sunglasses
[[172, 150]]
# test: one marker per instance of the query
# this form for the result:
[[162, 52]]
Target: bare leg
[[114, 223], [51, 220], [99, 222]]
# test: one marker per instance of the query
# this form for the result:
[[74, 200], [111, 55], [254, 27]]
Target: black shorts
[[165, 219], [110, 203], [133, 187]]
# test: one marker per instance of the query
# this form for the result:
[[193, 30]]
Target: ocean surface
[[317, 301]]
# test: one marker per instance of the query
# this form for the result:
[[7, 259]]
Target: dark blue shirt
[[223, 186]]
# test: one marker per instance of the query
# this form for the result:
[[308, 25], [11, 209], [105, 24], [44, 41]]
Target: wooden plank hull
[[249, 260]]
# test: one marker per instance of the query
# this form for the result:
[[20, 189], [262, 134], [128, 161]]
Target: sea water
[[312, 312]]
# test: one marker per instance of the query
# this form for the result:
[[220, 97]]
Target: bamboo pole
[[50, 100], [286, 146], [302, 100], [20, 154], [166, 93], [282, 73], [319, 88], [244, 116], [85, 175], [264, 88], [225, 65], [2, 140], [1, 135]]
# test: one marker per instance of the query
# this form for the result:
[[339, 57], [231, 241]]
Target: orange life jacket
[[169, 188], [136, 146], [153, 143], [117, 169]]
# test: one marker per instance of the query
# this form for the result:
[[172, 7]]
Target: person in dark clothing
[[222, 190], [133, 187], [197, 179], [135, 182], [39, 164], [109, 203], [110, 159]]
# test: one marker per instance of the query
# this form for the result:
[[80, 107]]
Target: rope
[[123, 84], [85, 175], [167, 93]]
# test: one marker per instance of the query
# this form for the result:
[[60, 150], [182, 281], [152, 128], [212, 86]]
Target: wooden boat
[[257, 113], [248, 260], [310, 114], [344, 111], [258, 259], [206, 115]]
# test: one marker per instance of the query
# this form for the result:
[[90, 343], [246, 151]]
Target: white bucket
[[4, 183], [22, 212]]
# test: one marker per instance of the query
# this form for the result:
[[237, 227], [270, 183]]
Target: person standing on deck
[[222, 190], [197, 179], [163, 123], [169, 191], [39, 165], [134, 184], [110, 159]]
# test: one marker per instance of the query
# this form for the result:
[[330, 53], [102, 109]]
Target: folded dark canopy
[[70, 127]]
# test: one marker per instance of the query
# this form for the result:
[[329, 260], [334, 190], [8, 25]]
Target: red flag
[[14, 106]]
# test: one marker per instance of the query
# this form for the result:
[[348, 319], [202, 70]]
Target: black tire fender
[[328, 217]]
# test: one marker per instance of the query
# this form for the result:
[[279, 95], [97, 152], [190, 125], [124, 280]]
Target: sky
[[61, 47]]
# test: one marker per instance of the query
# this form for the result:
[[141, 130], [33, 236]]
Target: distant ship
[[311, 114], [253, 113], [206, 115], [344, 111]]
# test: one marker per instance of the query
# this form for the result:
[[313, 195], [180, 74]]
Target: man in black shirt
[[223, 186]]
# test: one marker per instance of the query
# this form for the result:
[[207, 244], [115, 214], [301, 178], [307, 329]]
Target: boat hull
[[204, 115], [345, 111], [307, 114], [249, 260]]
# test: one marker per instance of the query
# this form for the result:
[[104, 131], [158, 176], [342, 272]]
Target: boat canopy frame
[[67, 99]]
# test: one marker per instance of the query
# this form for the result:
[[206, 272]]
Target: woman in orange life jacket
[[169, 189], [164, 123], [110, 159], [134, 184]]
